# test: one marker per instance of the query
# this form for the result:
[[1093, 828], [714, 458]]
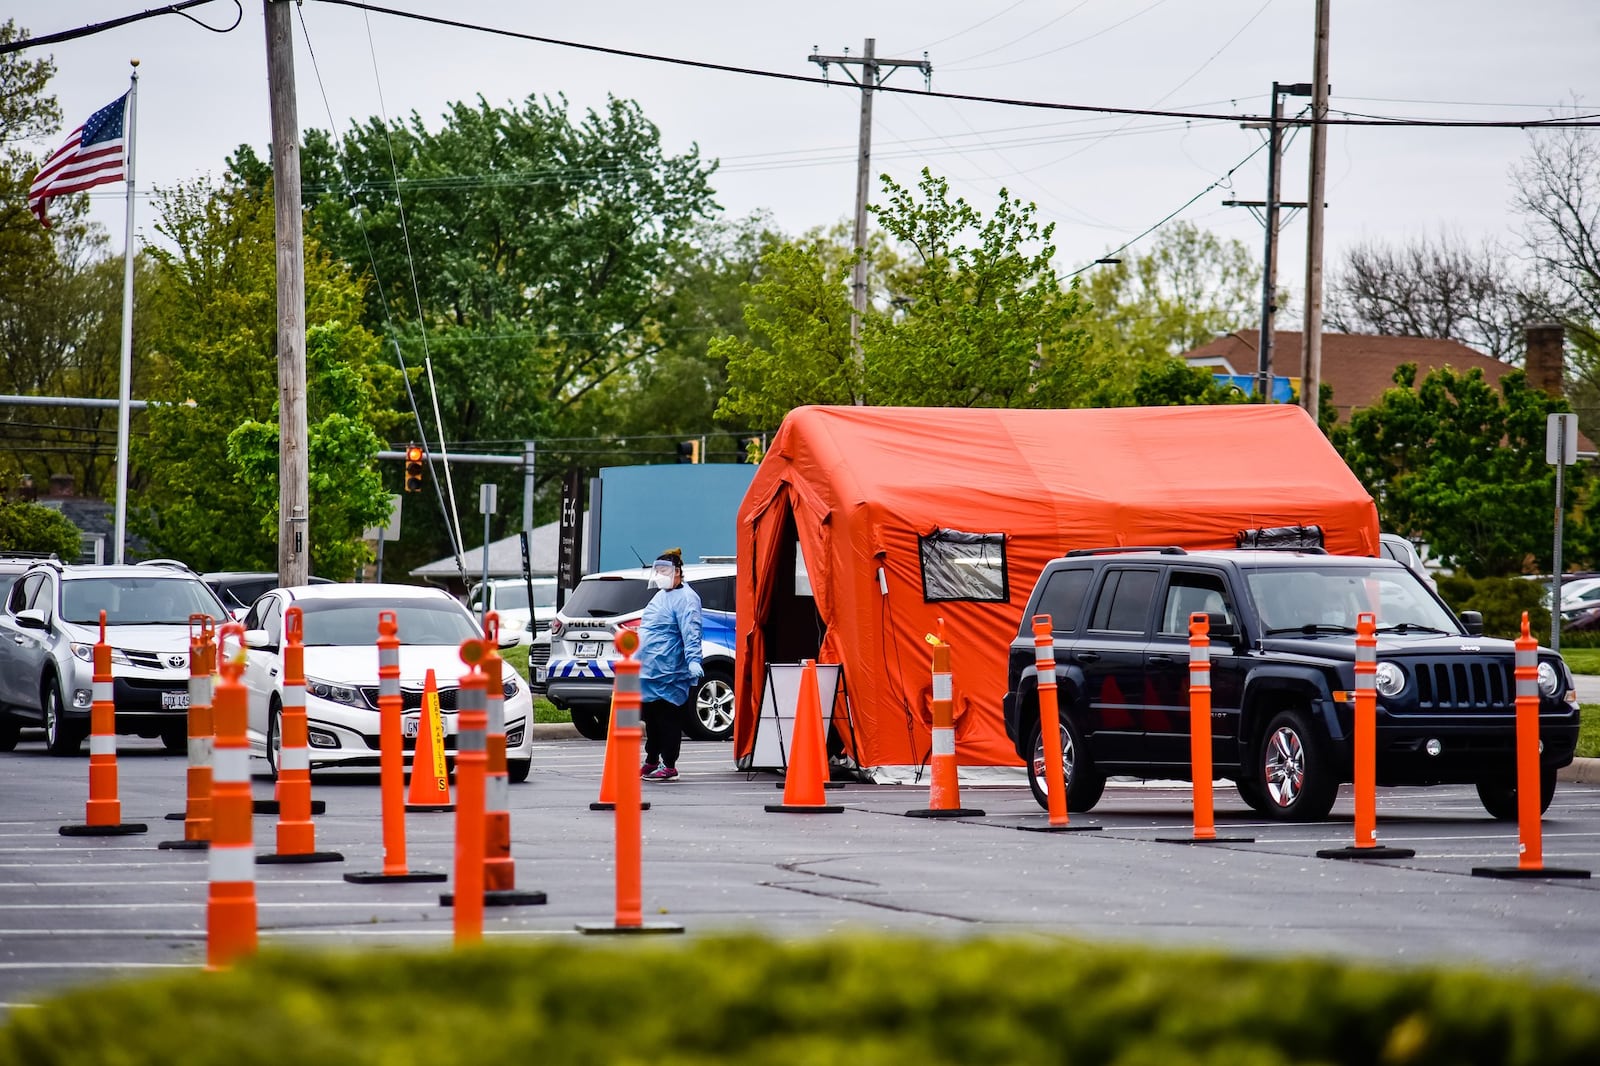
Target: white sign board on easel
[[780, 696]]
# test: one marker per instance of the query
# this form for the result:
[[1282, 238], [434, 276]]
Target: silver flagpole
[[125, 388]]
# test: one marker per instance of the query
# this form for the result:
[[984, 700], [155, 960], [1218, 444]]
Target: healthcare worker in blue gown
[[669, 664]]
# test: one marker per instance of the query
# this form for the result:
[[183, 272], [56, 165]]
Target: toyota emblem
[[177, 662]]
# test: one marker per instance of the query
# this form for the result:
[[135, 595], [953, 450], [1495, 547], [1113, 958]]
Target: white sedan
[[341, 667]]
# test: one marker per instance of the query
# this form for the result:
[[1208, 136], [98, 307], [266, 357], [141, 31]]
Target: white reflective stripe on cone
[[230, 765], [1527, 688], [200, 691], [232, 862], [102, 744], [941, 686], [102, 691], [388, 686], [496, 793], [294, 696], [627, 719], [944, 741], [294, 759], [199, 752], [1199, 678], [471, 740], [1201, 654]]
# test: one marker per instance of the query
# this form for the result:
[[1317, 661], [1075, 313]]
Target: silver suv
[[48, 630]]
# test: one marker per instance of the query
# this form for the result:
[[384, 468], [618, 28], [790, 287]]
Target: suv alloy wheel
[[1299, 783]]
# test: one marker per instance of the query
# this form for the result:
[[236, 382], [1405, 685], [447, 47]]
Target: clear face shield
[[663, 575]]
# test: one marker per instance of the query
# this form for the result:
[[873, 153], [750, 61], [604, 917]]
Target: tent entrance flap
[[792, 629]]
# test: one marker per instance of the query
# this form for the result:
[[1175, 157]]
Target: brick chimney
[[62, 485], [1545, 358]]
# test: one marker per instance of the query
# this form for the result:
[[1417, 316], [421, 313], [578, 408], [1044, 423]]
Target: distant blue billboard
[[1283, 388], [641, 510]]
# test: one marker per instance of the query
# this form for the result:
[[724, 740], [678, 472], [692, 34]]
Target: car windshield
[[1325, 599], [136, 601], [607, 597], [355, 622]]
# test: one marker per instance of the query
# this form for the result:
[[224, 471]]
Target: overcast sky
[[789, 148]]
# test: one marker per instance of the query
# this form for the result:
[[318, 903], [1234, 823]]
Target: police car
[[580, 674]]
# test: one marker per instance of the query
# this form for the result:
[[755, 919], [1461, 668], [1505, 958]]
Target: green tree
[[32, 527], [1460, 465], [211, 493], [977, 317]]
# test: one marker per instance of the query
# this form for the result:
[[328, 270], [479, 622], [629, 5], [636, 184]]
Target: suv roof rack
[[18, 553], [1168, 549]]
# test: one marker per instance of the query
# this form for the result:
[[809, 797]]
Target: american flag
[[93, 155]]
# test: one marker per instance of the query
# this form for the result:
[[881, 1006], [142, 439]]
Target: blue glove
[[697, 671]]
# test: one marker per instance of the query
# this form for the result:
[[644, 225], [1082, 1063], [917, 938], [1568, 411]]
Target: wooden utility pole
[[1311, 368], [1269, 265], [873, 73], [294, 536]]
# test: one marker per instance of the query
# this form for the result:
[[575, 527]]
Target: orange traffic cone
[[804, 789], [613, 765], [430, 777], [944, 792]]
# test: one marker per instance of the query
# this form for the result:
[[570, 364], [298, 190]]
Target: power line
[[101, 27], [1576, 122]]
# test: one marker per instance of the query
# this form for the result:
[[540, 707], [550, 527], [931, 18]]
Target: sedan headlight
[[1549, 679], [509, 687], [86, 653], [334, 693], [1390, 680]]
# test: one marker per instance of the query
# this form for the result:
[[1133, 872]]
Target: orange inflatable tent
[[905, 517]]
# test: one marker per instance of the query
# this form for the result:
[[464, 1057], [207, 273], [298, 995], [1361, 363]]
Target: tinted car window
[[1124, 602], [272, 621], [608, 596], [1062, 598], [1188, 593], [716, 593], [135, 600]]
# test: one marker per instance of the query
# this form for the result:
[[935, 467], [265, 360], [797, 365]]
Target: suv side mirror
[[1222, 627], [259, 639], [1472, 622], [32, 619]]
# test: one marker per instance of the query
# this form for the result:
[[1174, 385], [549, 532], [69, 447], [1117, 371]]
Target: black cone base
[[177, 816], [413, 877], [598, 806], [954, 812], [825, 784], [184, 845], [506, 897], [422, 808], [644, 928], [803, 808], [1366, 853], [1217, 840], [121, 829], [1047, 828], [1513, 873], [271, 807], [278, 858]]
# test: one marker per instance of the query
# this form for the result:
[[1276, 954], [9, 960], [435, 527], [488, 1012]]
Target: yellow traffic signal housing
[[413, 469]]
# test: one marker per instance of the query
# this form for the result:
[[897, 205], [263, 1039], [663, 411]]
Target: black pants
[[663, 732]]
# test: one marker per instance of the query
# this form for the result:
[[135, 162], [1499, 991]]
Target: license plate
[[409, 725], [589, 649], [174, 701]]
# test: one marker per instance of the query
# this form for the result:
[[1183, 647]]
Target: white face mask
[[662, 577]]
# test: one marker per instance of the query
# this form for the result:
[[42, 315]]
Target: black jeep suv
[[1282, 675]]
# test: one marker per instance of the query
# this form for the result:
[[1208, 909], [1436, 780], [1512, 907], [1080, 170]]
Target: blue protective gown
[[669, 645]]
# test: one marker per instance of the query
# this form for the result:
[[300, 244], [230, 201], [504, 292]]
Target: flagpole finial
[[133, 62]]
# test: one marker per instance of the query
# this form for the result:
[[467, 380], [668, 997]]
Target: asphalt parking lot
[[79, 910]]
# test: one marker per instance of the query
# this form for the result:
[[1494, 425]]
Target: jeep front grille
[[1464, 684]]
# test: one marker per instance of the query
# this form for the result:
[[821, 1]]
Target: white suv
[[579, 676], [508, 597]]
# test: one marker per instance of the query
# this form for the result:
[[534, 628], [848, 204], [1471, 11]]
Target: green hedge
[[848, 1000], [1502, 601]]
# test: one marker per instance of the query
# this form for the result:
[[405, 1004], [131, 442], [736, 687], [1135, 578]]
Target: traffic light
[[688, 451], [413, 468]]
